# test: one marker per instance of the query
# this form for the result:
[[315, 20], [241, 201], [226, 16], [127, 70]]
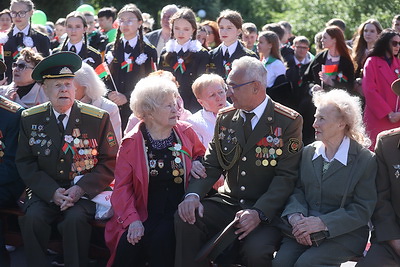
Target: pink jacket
[[379, 97], [129, 199]]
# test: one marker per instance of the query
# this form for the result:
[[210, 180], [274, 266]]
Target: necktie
[[73, 49], [127, 48], [60, 124], [180, 53], [226, 55], [20, 39], [247, 125]]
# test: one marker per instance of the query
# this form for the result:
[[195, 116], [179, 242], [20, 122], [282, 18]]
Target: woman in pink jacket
[[153, 166], [381, 69]]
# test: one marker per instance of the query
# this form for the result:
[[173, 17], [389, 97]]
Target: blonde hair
[[150, 93], [204, 81], [349, 108], [87, 77]]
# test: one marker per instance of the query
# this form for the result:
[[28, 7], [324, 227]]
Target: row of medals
[[263, 153], [86, 158], [176, 164], [38, 138]]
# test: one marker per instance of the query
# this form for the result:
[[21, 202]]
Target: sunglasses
[[20, 66], [395, 43], [20, 14]]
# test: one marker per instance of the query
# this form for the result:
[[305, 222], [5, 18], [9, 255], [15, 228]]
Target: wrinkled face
[[61, 93], [395, 44], [300, 50], [5, 22], [327, 41], [213, 97], [249, 39], [22, 72], [370, 33], [129, 24], [166, 114], [327, 123], [75, 29], [22, 15], [183, 31], [264, 46], [228, 32], [240, 90]]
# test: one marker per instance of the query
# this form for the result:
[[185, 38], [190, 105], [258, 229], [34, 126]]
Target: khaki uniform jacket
[[250, 182], [44, 166], [386, 218]]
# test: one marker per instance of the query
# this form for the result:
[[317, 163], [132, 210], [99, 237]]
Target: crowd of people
[[200, 143]]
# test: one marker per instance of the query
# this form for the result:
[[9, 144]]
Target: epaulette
[[226, 109], [390, 132], [150, 45], [9, 105], [285, 111], [93, 50], [91, 110], [35, 110]]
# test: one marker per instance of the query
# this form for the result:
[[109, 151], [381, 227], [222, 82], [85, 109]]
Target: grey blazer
[[323, 194]]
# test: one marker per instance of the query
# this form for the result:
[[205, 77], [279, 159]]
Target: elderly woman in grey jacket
[[336, 194]]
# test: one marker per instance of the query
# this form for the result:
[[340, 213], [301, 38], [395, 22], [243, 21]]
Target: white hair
[[150, 93], [252, 67], [167, 8], [87, 77]]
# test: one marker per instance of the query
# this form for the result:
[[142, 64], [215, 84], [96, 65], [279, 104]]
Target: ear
[[200, 101]]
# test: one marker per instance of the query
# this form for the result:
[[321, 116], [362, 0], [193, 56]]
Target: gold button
[[61, 160], [61, 172], [244, 158], [242, 188], [242, 201], [243, 173], [38, 152]]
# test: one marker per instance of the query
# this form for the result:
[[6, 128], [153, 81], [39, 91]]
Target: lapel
[[218, 58], [52, 128], [119, 54], [262, 127], [74, 120], [336, 165], [239, 52], [388, 72], [316, 165]]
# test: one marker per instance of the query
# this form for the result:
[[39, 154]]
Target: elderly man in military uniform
[[11, 185], [385, 239], [256, 145], [66, 156]]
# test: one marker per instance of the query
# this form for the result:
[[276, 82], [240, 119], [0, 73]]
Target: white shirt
[[178, 47], [65, 120], [25, 30], [258, 111], [132, 43], [274, 70], [231, 48], [203, 123], [341, 154], [78, 46]]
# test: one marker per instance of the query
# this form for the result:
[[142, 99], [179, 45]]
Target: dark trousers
[[380, 254], [74, 228], [254, 251], [329, 253], [156, 247]]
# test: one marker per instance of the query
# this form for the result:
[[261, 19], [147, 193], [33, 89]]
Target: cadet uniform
[[260, 174], [48, 159], [11, 185], [186, 66], [34, 39], [221, 66], [127, 67], [88, 54]]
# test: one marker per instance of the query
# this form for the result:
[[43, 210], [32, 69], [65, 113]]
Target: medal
[[160, 164], [178, 180], [265, 162], [175, 172], [94, 152], [43, 142], [258, 162], [153, 172], [47, 151], [270, 139], [49, 143], [276, 140], [40, 128], [273, 163], [86, 142], [152, 163], [81, 152], [278, 151], [178, 160], [1, 153], [31, 141], [33, 134], [38, 142], [181, 172], [258, 149], [271, 151]]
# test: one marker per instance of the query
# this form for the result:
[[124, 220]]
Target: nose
[[315, 124]]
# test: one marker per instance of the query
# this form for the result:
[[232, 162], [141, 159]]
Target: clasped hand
[[135, 232], [304, 226], [65, 198]]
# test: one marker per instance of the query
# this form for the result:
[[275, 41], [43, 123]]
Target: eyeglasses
[[127, 22], [20, 66], [395, 43], [20, 14], [233, 87]]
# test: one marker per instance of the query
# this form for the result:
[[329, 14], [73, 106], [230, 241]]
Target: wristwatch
[[261, 215]]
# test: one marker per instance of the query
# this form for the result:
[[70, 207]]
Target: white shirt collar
[[25, 31], [305, 60], [341, 155], [78, 46], [65, 121], [333, 59], [258, 111], [132, 42], [231, 48], [178, 47]]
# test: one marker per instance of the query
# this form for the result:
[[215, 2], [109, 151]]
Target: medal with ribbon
[[227, 67], [128, 64], [341, 77], [180, 64], [177, 164]]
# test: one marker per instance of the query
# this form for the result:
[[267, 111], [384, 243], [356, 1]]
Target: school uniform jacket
[[88, 54]]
